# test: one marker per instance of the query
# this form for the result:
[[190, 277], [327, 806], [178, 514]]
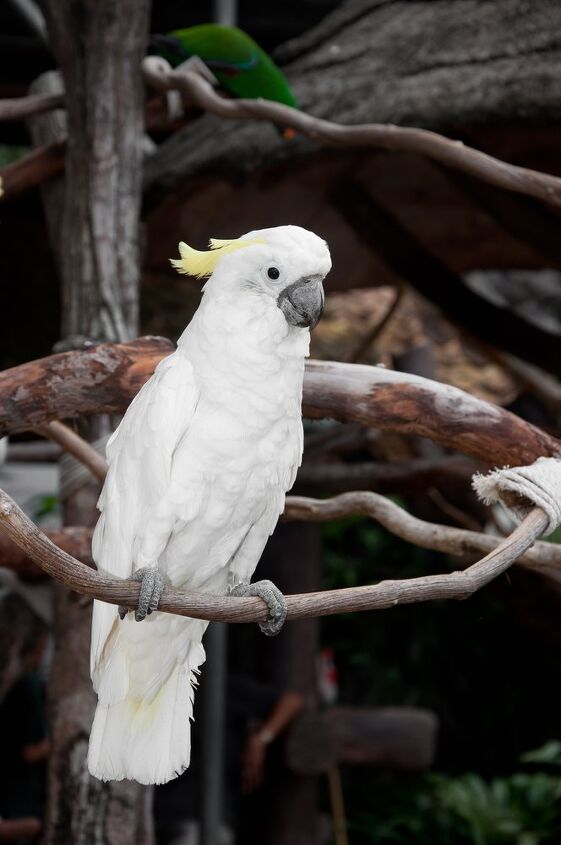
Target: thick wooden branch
[[100, 379], [457, 585], [106, 377], [411, 404], [159, 75], [400, 250]]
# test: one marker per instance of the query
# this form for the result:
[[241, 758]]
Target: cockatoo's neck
[[243, 329]]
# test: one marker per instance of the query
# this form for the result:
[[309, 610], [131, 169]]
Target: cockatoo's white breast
[[243, 445]]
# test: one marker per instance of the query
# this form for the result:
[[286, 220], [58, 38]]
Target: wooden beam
[[385, 737], [398, 248]]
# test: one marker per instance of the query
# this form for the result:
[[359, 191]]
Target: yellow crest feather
[[202, 263]]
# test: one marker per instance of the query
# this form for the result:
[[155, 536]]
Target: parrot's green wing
[[240, 65]]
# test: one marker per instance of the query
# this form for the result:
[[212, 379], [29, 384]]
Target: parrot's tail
[[146, 740]]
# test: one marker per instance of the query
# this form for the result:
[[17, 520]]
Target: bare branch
[[543, 557], [105, 378], [17, 108], [427, 535], [458, 585], [159, 75], [74, 539], [76, 446]]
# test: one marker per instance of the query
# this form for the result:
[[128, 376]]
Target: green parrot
[[242, 68]]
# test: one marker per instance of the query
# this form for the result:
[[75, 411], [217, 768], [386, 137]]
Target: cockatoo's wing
[[140, 456]]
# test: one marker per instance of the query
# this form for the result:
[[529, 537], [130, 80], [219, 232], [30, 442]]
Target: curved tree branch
[[419, 532], [18, 108], [159, 75], [457, 585], [75, 446], [106, 377], [543, 557]]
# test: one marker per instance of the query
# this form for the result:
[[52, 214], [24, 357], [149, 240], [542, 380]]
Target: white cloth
[[520, 489]]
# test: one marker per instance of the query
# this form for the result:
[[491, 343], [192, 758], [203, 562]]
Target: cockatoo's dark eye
[[273, 272]]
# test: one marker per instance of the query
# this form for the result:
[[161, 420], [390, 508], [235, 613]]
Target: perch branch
[[74, 539], [544, 557], [427, 535], [105, 378], [159, 75], [18, 108], [457, 585]]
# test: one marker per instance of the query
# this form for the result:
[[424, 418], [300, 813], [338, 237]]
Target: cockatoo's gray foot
[[152, 587], [267, 591]]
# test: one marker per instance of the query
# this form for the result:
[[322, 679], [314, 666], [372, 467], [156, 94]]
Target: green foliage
[[44, 505], [493, 682], [554, 537], [520, 809]]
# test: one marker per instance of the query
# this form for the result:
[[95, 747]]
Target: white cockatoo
[[198, 472]]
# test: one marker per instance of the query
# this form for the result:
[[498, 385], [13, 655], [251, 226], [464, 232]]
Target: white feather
[[198, 471]]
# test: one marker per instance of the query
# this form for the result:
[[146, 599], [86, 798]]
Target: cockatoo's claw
[[275, 600], [152, 587]]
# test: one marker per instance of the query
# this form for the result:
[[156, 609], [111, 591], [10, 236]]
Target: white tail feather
[[146, 741]]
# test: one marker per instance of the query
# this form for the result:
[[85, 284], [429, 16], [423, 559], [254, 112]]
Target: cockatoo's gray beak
[[302, 302]]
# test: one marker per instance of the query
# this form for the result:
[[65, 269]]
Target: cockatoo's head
[[286, 264]]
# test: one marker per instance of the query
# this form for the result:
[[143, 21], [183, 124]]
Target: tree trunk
[[292, 560], [98, 45]]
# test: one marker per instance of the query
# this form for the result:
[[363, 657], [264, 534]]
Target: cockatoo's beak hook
[[302, 302]]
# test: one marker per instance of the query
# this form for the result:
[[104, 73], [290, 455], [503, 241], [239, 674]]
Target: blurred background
[[435, 723]]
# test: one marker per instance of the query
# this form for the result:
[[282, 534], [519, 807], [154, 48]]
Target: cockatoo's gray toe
[[151, 589], [275, 600]]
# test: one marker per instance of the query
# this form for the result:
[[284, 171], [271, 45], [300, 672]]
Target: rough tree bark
[[105, 379], [98, 46]]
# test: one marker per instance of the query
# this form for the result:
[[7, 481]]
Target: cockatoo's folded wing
[[139, 455]]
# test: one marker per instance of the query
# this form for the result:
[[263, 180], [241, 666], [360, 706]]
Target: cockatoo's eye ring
[[273, 272]]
